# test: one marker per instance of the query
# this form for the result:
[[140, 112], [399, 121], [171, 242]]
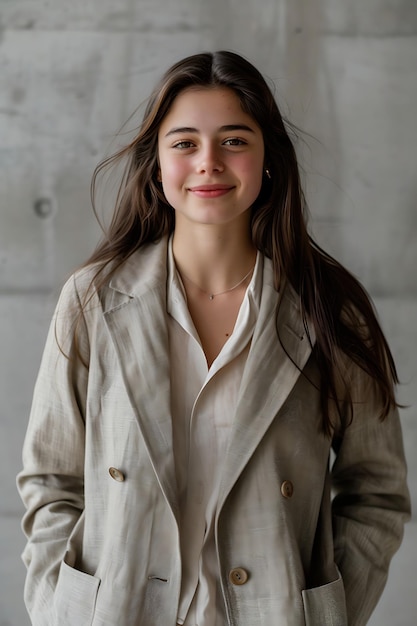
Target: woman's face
[[211, 156]]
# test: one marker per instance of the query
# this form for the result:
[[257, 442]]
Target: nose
[[210, 160]]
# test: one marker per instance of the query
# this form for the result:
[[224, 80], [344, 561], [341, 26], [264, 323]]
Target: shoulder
[[94, 283], [77, 289]]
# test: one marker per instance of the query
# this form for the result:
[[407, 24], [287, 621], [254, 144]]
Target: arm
[[51, 482], [371, 500]]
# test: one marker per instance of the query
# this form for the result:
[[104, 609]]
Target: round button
[[238, 576], [287, 489], [116, 474]]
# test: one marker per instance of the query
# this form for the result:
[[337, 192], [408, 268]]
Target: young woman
[[198, 372]]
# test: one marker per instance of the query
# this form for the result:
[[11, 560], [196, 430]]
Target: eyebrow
[[222, 129]]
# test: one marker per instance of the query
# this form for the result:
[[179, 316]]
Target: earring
[[268, 173]]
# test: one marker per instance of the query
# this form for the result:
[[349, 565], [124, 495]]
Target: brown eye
[[234, 141], [183, 145]]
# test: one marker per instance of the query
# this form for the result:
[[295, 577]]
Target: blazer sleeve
[[51, 482], [371, 500]]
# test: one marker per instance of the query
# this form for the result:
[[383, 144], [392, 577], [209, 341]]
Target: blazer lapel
[[268, 378], [136, 320]]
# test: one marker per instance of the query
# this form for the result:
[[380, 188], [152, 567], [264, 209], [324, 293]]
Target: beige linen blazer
[[98, 475]]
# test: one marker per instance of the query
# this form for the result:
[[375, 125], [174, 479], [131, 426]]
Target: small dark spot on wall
[[43, 207], [298, 30]]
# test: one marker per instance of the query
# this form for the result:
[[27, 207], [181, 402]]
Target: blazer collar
[[145, 270]]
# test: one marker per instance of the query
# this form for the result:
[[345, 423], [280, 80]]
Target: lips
[[210, 191], [212, 187]]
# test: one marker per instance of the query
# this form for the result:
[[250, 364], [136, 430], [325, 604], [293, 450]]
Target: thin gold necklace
[[211, 296]]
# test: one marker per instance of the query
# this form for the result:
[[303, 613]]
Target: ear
[[159, 176]]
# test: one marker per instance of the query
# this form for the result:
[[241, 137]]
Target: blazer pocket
[[325, 605], [75, 597]]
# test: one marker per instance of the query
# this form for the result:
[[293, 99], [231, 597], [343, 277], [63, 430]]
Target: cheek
[[252, 172], [173, 171], [173, 175]]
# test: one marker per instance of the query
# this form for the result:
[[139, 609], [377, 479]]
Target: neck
[[214, 259]]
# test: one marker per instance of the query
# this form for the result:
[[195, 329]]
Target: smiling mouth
[[210, 191]]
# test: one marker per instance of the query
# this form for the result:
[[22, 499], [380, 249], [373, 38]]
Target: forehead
[[196, 106]]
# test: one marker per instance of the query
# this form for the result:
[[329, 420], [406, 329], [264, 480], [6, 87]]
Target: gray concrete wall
[[70, 75]]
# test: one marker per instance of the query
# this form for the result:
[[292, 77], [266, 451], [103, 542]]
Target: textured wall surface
[[72, 72]]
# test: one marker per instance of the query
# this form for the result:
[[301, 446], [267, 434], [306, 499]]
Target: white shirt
[[203, 403]]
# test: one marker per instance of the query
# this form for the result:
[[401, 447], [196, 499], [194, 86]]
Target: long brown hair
[[331, 299]]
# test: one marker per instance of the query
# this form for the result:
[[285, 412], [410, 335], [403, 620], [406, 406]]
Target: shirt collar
[[176, 297]]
